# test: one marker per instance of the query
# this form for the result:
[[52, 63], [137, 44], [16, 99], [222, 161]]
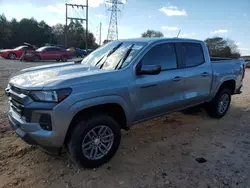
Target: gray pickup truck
[[82, 107]]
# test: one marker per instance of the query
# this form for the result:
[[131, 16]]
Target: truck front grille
[[16, 106], [16, 99]]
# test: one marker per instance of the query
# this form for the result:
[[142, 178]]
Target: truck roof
[[154, 39]]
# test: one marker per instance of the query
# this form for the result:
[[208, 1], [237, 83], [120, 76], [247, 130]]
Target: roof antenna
[[178, 33]]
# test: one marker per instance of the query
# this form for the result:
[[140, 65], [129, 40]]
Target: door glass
[[162, 54], [192, 54]]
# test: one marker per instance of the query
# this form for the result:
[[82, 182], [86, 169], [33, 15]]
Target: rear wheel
[[219, 106], [12, 56], [94, 141]]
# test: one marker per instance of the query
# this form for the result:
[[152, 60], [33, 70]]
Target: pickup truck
[[82, 107]]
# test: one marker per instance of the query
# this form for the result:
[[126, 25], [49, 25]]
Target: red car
[[16, 53], [48, 53]]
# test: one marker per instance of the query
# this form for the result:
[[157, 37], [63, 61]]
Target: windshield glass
[[40, 49], [114, 55], [19, 47]]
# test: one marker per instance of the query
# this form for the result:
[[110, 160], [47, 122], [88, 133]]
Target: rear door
[[158, 94], [46, 53], [198, 73], [51, 53], [57, 53]]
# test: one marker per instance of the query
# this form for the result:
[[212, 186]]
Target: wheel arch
[[115, 108], [229, 83], [11, 53]]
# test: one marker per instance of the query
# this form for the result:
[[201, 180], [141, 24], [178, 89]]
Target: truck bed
[[216, 59]]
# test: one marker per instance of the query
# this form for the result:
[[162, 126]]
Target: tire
[[36, 58], [12, 56], [64, 59], [80, 135], [214, 108]]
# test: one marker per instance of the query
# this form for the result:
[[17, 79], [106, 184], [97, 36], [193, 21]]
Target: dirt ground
[[158, 153]]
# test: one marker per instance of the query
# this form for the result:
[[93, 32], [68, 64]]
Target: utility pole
[[66, 29], [81, 19], [113, 29], [100, 37], [87, 23]]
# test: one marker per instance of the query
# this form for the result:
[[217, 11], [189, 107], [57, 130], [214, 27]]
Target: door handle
[[177, 79], [204, 74]]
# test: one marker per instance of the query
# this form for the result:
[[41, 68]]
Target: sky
[[197, 19]]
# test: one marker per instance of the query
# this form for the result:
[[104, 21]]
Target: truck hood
[[38, 77]]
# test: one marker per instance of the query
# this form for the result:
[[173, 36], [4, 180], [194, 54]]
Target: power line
[[77, 18]]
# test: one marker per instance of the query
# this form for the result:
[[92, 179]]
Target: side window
[[26, 48], [192, 54], [162, 54], [51, 49], [46, 49]]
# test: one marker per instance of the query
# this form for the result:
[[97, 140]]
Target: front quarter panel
[[109, 87], [81, 105]]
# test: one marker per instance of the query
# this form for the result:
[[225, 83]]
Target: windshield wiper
[[99, 60], [114, 49], [109, 53], [120, 63]]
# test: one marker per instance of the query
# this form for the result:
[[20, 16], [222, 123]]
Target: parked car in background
[[88, 51], [48, 53], [17, 52], [55, 45], [77, 52], [83, 107]]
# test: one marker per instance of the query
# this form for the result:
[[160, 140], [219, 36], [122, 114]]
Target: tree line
[[217, 46], [14, 33]]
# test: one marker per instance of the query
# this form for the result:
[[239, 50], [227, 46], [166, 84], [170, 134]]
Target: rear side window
[[192, 54], [162, 54], [53, 49]]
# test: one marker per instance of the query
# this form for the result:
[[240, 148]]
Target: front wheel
[[219, 106], [12, 56], [94, 141]]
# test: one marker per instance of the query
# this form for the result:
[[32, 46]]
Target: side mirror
[[148, 69]]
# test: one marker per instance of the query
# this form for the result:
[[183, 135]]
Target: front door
[[158, 94]]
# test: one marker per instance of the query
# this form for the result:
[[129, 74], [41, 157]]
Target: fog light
[[45, 122]]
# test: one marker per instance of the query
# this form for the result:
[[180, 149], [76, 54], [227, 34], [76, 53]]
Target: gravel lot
[[158, 153]]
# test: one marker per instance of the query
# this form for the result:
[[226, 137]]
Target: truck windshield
[[114, 55]]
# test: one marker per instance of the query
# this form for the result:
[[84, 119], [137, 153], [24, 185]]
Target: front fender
[[91, 102]]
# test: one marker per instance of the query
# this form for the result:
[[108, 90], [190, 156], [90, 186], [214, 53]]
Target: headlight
[[50, 96]]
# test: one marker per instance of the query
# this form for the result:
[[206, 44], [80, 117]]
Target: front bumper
[[4, 55], [33, 134]]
